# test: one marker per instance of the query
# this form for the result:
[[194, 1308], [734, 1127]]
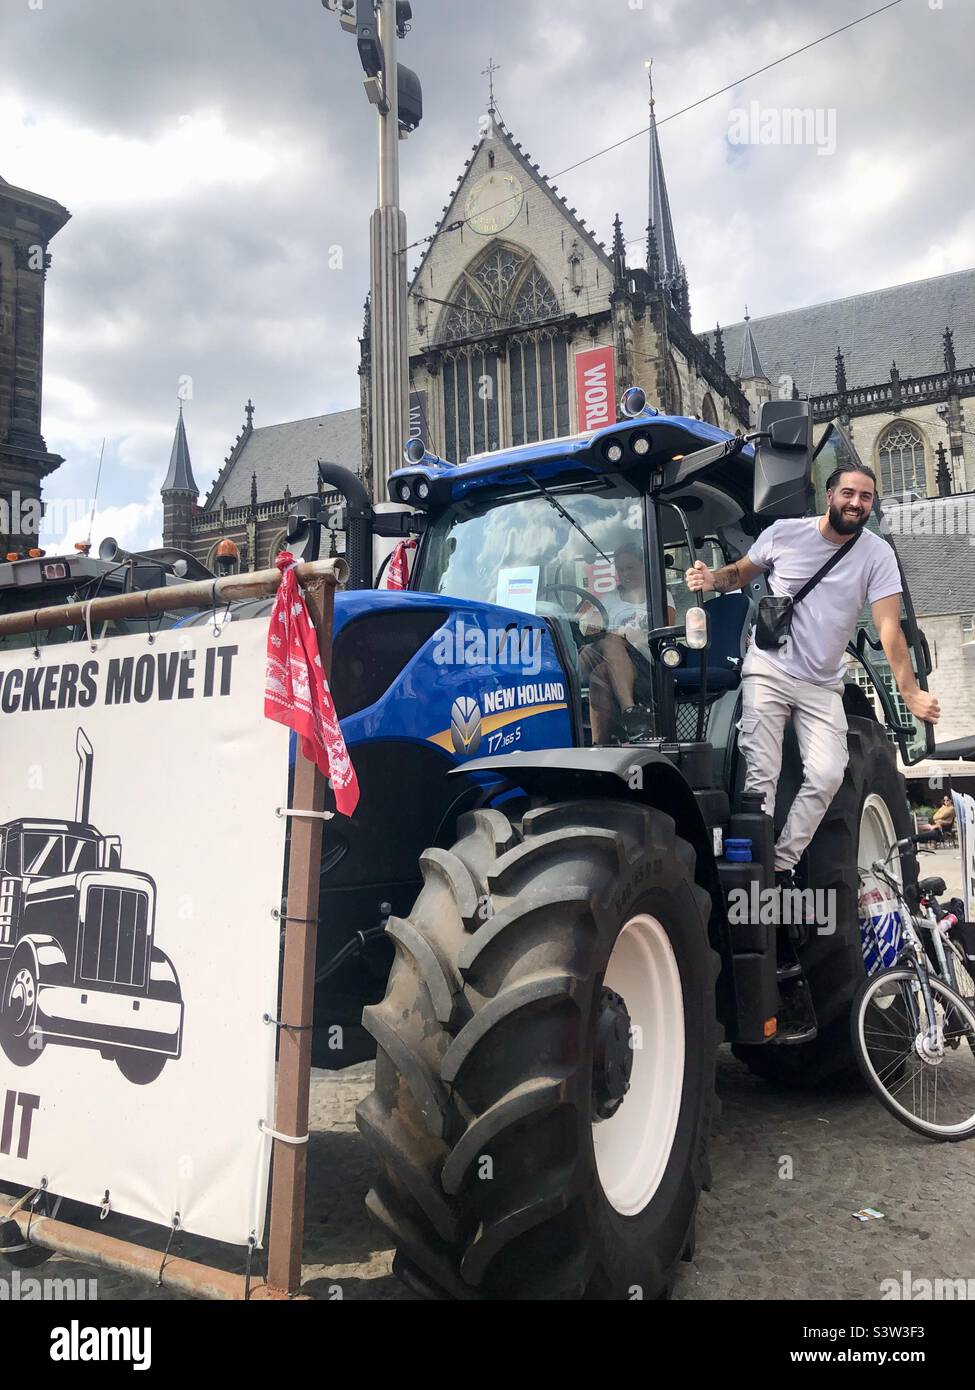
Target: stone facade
[[895, 366], [266, 469], [28, 221]]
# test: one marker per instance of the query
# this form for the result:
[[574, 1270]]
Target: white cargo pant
[[770, 697]]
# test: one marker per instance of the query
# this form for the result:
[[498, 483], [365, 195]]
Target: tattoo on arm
[[727, 578]]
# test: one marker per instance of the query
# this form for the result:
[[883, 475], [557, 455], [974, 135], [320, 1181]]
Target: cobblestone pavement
[[761, 1233], [790, 1168]]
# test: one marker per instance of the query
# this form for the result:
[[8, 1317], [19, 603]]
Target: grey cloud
[[232, 283]]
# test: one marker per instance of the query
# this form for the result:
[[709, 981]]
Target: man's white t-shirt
[[625, 615], [823, 623]]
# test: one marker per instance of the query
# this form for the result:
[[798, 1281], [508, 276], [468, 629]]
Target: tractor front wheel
[[545, 1066]]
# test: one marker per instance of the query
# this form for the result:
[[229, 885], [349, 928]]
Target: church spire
[[180, 476], [619, 252], [750, 368], [659, 202]]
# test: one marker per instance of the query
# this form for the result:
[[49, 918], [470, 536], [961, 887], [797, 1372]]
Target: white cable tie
[[91, 640], [285, 1138], [281, 811]]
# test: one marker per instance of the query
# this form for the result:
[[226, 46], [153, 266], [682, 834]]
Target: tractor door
[[868, 665]]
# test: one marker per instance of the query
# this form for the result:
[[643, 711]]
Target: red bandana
[[398, 571], [296, 691]]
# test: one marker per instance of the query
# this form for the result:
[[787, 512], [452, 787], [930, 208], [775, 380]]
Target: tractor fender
[[629, 773]]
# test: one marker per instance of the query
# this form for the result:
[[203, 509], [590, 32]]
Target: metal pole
[[173, 1272], [389, 388]]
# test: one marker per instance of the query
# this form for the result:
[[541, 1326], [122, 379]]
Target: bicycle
[[913, 1018]]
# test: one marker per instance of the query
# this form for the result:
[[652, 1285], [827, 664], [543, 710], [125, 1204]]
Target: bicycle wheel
[[960, 978], [930, 1089], [962, 967]]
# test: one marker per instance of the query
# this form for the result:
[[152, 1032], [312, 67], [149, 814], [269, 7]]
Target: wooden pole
[[204, 594], [287, 1222]]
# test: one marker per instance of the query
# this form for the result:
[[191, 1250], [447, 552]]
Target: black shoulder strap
[[810, 584]]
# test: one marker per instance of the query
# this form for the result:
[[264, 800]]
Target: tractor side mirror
[[783, 460], [304, 535]]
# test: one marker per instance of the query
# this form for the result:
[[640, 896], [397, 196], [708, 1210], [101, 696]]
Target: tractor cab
[[595, 533]]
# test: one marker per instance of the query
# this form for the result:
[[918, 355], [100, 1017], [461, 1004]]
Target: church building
[[523, 325], [28, 221]]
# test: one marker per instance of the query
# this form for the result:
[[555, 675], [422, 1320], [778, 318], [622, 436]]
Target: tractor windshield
[[548, 553], [576, 556]]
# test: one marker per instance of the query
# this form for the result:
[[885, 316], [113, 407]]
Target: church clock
[[493, 203]]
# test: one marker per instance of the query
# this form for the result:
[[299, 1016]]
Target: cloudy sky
[[213, 153]]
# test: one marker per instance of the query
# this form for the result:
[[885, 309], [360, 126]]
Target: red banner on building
[[595, 388]]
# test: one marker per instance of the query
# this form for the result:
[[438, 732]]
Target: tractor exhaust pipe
[[358, 512], [86, 756]]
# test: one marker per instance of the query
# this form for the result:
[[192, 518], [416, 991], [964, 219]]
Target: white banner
[[137, 959], [965, 821]]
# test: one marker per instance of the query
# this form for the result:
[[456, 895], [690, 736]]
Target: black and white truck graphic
[[77, 959]]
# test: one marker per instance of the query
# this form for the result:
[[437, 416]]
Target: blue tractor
[[543, 726]]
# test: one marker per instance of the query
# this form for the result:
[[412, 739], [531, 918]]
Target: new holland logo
[[465, 725]]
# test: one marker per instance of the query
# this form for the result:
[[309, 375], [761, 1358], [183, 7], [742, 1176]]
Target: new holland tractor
[[535, 920], [549, 771]]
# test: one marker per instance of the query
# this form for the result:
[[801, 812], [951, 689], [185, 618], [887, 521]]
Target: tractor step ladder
[[796, 1014]]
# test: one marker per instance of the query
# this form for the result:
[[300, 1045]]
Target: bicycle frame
[[913, 953]]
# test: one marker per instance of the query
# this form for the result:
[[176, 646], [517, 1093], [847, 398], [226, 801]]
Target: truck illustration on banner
[[78, 964]]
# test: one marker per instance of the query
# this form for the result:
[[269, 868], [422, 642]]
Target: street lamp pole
[[389, 362]]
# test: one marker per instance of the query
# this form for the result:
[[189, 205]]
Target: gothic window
[[538, 368], [470, 397], [708, 412], [503, 288], [467, 315], [497, 272], [902, 460], [535, 299]]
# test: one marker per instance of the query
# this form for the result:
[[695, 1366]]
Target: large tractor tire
[[515, 1161], [868, 812]]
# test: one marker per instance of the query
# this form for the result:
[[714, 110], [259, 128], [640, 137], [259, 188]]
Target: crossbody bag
[[773, 626]]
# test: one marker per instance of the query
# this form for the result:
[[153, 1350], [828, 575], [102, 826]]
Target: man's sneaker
[[637, 722], [797, 926]]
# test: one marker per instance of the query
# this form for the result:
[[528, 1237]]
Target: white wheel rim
[[877, 834], [633, 1146]]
